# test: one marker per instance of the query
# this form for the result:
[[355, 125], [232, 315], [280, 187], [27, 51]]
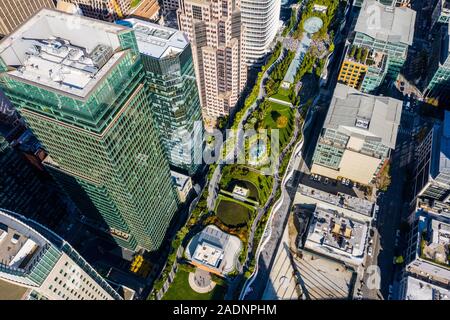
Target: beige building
[[108, 10], [14, 12], [359, 132], [215, 31], [38, 264]]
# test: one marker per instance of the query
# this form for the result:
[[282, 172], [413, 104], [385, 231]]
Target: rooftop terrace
[[62, 52]]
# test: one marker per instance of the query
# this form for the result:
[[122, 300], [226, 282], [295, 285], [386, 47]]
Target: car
[[402, 83], [326, 181], [319, 178], [370, 251], [311, 177]]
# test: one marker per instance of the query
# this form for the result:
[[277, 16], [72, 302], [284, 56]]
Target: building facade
[[34, 257], [432, 165], [172, 86], [108, 10], [82, 92], [441, 13], [426, 254], [385, 30], [438, 84], [169, 5], [261, 21], [359, 132], [14, 13], [363, 69], [215, 31]]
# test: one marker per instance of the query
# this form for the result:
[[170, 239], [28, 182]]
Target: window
[[197, 12]]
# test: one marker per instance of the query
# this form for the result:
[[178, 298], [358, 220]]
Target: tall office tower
[[382, 31], [168, 5], [172, 86], [81, 89], [261, 21], [432, 164], [441, 12], [359, 132], [34, 257], [215, 31], [438, 81], [14, 12], [108, 10]]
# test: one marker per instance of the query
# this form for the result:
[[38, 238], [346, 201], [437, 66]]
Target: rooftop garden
[[181, 290]]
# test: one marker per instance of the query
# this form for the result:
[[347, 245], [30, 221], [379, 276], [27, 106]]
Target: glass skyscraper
[[79, 84], [172, 86]]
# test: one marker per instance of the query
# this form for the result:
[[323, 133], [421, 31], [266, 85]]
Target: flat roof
[[18, 242], [359, 114], [158, 41], [332, 229], [420, 290], [61, 51], [386, 23]]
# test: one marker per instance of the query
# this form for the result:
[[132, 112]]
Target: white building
[[35, 258], [335, 235], [261, 20], [415, 289]]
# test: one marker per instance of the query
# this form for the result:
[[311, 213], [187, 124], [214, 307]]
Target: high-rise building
[[13, 13], [167, 58], [215, 31], [359, 132], [81, 89], [441, 12], [384, 30], [432, 164], [438, 81], [261, 21], [34, 257], [108, 10], [426, 253]]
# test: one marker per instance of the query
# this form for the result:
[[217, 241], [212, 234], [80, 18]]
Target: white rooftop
[[420, 290], [158, 41], [208, 254], [386, 23], [341, 234], [61, 51], [361, 114]]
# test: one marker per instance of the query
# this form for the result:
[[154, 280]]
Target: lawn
[[180, 290], [233, 213], [234, 172], [277, 116]]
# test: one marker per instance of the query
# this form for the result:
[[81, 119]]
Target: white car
[[370, 251]]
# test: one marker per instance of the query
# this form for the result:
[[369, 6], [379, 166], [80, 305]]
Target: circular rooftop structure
[[312, 25]]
